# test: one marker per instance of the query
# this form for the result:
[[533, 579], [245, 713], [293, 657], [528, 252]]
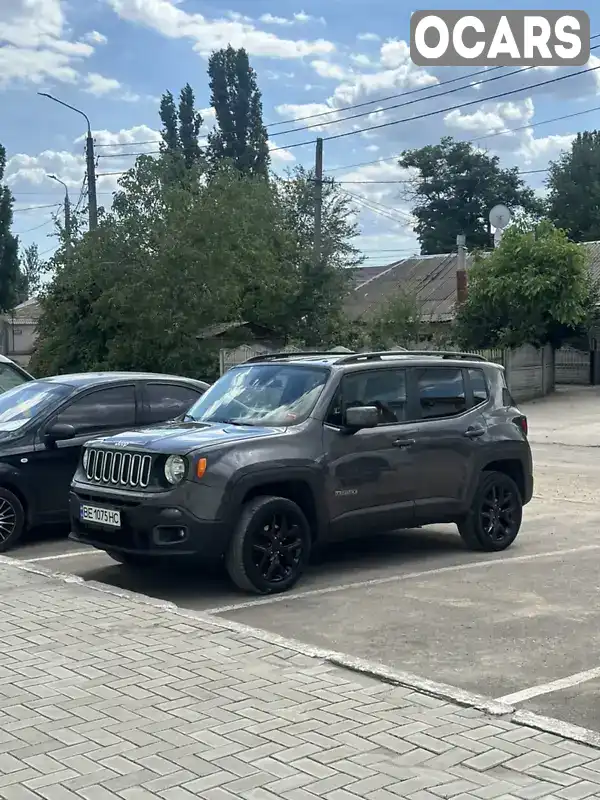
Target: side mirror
[[59, 432], [362, 417]]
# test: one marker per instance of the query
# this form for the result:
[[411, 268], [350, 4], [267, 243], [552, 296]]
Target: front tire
[[12, 520], [494, 520], [270, 547]]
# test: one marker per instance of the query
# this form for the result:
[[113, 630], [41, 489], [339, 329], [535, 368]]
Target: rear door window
[[441, 392], [164, 401], [478, 386]]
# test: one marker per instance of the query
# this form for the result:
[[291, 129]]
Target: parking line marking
[[74, 554], [552, 686], [289, 596]]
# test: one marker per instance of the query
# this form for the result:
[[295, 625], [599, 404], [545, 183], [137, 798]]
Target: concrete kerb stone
[[377, 671]]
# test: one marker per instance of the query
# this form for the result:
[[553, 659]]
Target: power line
[[129, 155], [129, 144], [429, 114], [385, 99], [36, 227], [408, 180], [476, 139], [402, 105], [36, 208]]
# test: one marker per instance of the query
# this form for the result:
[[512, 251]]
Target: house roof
[[432, 279], [362, 274]]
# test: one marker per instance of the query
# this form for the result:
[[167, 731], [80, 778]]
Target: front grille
[[116, 468]]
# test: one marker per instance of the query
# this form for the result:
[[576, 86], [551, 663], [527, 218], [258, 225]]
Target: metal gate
[[572, 366]]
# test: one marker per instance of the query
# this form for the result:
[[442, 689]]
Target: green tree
[[180, 128], [240, 135], [574, 188], [455, 190], [9, 244], [397, 322], [316, 315], [190, 122], [534, 288], [32, 269], [171, 142]]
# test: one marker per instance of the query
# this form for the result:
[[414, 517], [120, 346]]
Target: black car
[[290, 450], [44, 423]]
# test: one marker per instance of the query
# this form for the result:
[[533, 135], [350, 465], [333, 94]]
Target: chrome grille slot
[[118, 468]]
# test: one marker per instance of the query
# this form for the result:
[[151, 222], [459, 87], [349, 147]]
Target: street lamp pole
[[90, 162], [67, 212]]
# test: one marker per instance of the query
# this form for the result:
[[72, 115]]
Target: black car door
[[96, 412], [162, 401]]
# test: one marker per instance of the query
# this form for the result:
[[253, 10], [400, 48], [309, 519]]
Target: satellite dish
[[499, 217]]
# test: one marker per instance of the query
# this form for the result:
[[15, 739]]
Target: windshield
[[261, 394], [21, 404], [11, 376]]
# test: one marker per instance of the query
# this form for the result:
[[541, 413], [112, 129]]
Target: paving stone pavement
[[110, 698]]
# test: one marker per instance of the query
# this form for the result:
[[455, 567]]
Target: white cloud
[[94, 37], [280, 155], [34, 43], [299, 17], [368, 37], [166, 18], [99, 85], [326, 69]]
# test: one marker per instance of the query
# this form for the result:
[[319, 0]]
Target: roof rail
[[379, 355], [299, 354]]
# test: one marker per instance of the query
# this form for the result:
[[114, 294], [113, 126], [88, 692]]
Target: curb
[[381, 672]]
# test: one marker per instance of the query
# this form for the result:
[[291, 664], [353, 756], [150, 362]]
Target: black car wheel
[[12, 520], [495, 517], [270, 547]]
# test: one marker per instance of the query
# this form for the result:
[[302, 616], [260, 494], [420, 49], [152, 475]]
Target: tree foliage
[[32, 269], [181, 128], [240, 135], [171, 259], [574, 188], [9, 245], [456, 188], [534, 288]]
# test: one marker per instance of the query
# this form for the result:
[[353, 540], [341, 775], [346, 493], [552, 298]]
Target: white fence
[[530, 371]]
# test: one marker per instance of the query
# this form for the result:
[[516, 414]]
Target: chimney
[[461, 270]]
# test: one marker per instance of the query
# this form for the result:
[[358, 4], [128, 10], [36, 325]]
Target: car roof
[[376, 359], [85, 379]]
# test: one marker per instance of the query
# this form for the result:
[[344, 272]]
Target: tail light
[[521, 422]]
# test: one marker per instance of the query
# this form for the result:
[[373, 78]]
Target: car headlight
[[175, 469], [86, 458]]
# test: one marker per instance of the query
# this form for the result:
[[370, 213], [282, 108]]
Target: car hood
[[182, 437]]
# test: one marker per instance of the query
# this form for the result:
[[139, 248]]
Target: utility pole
[[461, 269], [318, 201], [67, 213], [90, 162]]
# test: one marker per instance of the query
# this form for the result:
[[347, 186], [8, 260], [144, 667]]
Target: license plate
[[101, 516]]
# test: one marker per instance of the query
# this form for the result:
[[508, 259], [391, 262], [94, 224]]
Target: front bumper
[[152, 524]]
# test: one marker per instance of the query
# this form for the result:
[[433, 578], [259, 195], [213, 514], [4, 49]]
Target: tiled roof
[[432, 279]]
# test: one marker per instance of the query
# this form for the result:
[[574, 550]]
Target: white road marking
[[552, 686], [72, 554], [344, 587]]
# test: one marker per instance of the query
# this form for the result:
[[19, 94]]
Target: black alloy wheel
[[12, 519], [496, 514], [270, 547]]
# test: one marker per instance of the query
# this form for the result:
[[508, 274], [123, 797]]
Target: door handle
[[475, 431], [403, 443]]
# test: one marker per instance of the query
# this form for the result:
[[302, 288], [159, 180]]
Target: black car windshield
[[20, 405], [261, 394]]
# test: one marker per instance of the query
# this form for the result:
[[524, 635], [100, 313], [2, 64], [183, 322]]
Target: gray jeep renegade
[[289, 450]]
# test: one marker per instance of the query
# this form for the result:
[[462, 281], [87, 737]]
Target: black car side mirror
[[59, 432], [360, 417]]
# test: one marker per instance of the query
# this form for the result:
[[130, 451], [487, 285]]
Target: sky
[[114, 58]]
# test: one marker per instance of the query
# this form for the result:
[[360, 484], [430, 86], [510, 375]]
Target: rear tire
[[12, 520], [270, 547], [494, 520]]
